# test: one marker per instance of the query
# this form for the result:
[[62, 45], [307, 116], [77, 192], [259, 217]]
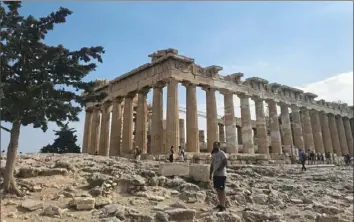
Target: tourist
[[302, 156], [181, 153], [312, 157], [328, 158], [171, 155], [322, 158], [137, 153], [218, 173], [347, 159]]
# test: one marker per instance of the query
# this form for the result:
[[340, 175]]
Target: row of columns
[[308, 130]]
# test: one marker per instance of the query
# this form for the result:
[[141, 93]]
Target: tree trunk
[[9, 184]]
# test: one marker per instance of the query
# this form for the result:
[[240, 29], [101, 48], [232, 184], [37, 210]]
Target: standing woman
[[171, 155]]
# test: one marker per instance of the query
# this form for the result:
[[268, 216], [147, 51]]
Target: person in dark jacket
[[302, 156], [171, 155]]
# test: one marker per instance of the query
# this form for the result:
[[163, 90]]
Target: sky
[[308, 45]]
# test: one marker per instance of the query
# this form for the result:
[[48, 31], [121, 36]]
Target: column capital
[[322, 112], [97, 107], [159, 84], [304, 108], [145, 90], [330, 115], [270, 101], [118, 99], [207, 87], [106, 104], [294, 108], [282, 104], [256, 98], [131, 94], [225, 92], [242, 95], [171, 80], [186, 84], [89, 109]]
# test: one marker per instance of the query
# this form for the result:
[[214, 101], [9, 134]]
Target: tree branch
[[4, 128]]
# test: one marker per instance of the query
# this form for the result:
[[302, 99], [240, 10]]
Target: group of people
[[180, 153], [314, 158]]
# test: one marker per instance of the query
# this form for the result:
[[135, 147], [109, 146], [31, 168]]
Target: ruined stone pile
[[80, 187]]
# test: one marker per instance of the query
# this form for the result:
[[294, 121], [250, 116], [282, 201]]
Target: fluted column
[[104, 132], [172, 117], [192, 118], [221, 132], [274, 127], [95, 130], [182, 134], [326, 135], [230, 122], [212, 118], [316, 131], [157, 119], [307, 130], [286, 128], [116, 127], [262, 134], [141, 120], [87, 130], [248, 146], [341, 133], [127, 141], [334, 134], [349, 135], [297, 128]]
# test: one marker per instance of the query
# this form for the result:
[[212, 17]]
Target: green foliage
[[64, 143], [41, 83]]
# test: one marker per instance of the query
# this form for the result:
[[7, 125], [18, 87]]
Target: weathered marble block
[[174, 169], [199, 172]]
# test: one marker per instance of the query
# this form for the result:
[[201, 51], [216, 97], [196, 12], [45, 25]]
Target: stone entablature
[[170, 64]]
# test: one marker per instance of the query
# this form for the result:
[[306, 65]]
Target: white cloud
[[338, 87]]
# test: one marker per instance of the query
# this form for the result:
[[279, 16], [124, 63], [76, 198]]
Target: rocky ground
[[79, 187]]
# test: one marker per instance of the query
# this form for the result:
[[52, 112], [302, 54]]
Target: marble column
[[297, 128], [141, 120], [307, 130], [230, 122], [104, 138], [182, 134], [286, 128], [172, 117], [248, 146], [95, 130], [274, 127], [157, 120], [116, 127], [87, 130], [334, 134], [239, 135], [192, 118], [127, 141], [348, 134], [262, 134], [326, 135], [221, 132], [342, 137], [212, 118], [316, 131]]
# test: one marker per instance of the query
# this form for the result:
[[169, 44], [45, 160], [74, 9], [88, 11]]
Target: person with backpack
[[302, 156]]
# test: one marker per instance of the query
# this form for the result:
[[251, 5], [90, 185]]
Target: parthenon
[[303, 122]]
